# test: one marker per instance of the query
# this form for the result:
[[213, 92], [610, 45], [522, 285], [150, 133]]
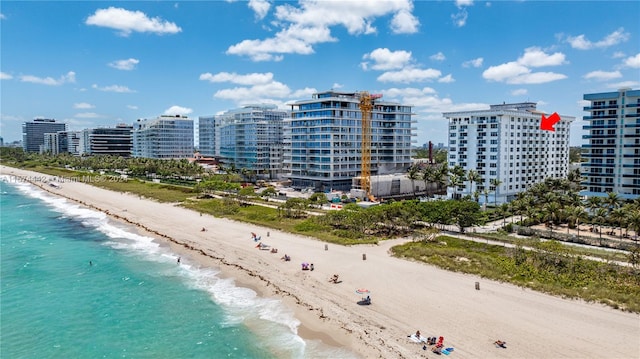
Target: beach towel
[[445, 352], [415, 339]]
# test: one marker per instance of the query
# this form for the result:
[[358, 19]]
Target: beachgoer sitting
[[203, 229], [418, 334], [274, 250], [311, 266], [334, 279], [286, 258], [305, 266], [500, 344]]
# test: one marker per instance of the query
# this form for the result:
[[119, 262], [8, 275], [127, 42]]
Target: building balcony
[[597, 155], [589, 127], [598, 146], [631, 185], [587, 164], [633, 145], [637, 124], [601, 117], [632, 115], [589, 108], [632, 105]]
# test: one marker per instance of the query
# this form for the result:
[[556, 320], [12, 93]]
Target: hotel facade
[[506, 143], [323, 138], [612, 148], [164, 137], [33, 133], [247, 138]]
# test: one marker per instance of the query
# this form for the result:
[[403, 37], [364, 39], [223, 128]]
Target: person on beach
[[178, 260], [501, 344], [90, 263]]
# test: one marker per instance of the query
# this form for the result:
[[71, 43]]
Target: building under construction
[[323, 140]]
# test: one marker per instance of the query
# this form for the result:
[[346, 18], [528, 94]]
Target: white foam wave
[[273, 322]]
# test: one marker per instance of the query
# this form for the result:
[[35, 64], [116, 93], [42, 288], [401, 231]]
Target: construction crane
[[366, 105]]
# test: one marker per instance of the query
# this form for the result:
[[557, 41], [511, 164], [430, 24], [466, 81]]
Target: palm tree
[[577, 214], [612, 201], [473, 176], [458, 175], [495, 182], [485, 192], [413, 175], [633, 222], [550, 214], [429, 177], [618, 215], [599, 216]]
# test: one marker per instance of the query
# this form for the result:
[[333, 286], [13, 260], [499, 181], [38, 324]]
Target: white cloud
[[410, 75], [518, 72], [126, 22], [113, 88], [385, 59], [447, 79], [535, 57], [624, 84], [337, 86], [617, 55], [127, 65], [2, 17], [177, 110], [248, 79], [70, 77], [633, 61], [438, 57], [602, 75], [461, 3], [257, 87], [404, 22], [519, 92], [473, 63], [311, 21], [460, 18], [260, 7], [580, 42], [83, 105], [132, 107], [87, 115], [5, 76]]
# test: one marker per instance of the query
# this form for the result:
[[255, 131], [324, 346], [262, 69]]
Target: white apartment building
[[164, 137], [612, 151], [506, 143], [247, 138], [323, 138]]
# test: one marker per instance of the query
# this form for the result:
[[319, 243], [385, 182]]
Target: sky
[[97, 64]]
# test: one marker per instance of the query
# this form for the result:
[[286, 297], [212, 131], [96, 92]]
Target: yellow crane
[[366, 106]]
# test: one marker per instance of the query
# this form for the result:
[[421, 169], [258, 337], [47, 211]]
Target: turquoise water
[[76, 285]]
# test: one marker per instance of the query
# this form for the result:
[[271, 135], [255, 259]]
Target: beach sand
[[406, 296]]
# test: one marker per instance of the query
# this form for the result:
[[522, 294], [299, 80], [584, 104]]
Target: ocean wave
[[271, 321]]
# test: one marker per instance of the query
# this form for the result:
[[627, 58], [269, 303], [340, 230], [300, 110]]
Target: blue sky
[[93, 63]]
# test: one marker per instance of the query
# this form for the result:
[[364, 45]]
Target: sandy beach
[[406, 296]]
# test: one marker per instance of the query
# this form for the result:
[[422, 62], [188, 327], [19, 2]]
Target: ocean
[[75, 284]]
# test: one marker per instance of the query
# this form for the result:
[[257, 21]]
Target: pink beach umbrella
[[363, 291]]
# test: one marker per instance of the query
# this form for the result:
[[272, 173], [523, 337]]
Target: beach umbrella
[[363, 291]]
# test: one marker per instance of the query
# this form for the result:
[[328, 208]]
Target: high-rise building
[[612, 149], [33, 133], [250, 138], [323, 140], [505, 143], [164, 137], [115, 141], [208, 136]]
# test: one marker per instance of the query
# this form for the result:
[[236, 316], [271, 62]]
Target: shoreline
[[406, 295]]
